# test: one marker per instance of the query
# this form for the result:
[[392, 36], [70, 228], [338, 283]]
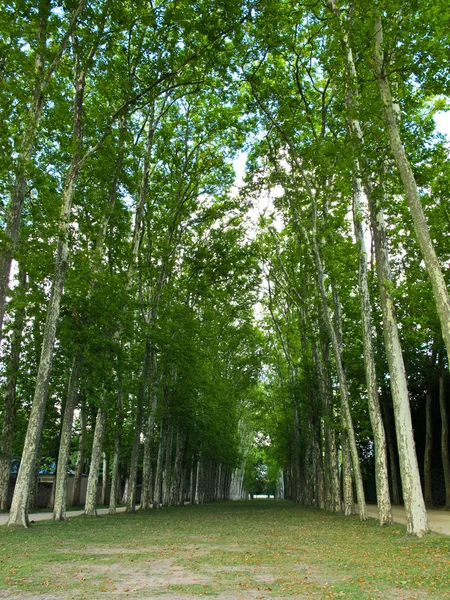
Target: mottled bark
[[176, 483], [376, 419], [115, 480], [76, 497], [445, 453], [421, 230], [168, 472], [19, 507], [416, 515], [59, 508], [94, 467], [141, 395], [147, 475], [428, 454], [157, 492], [346, 416], [105, 481], [332, 486]]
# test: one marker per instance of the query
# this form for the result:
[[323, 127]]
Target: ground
[[248, 550]]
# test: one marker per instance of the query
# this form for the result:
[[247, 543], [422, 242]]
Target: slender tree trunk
[[76, 497], [331, 460], [157, 492], [416, 515], [168, 471], [10, 398], [94, 469], [115, 462], [193, 480], [433, 267], [19, 507], [345, 407], [444, 430], [428, 455], [105, 480], [147, 475], [388, 418], [176, 484], [376, 419], [142, 393], [347, 484], [319, 482], [59, 509]]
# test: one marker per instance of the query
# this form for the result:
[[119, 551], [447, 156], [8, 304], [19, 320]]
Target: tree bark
[[81, 455], [104, 500], [59, 508], [142, 393], [445, 453], [376, 419], [416, 515], [94, 468], [147, 475], [347, 485], [157, 492], [19, 507], [433, 267], [428, 454], [115, 462], [168, 471], [343, 389]]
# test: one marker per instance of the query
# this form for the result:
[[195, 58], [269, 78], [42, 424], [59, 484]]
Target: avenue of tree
[[158, 338]]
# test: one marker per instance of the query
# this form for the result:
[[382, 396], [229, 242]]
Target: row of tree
[[129, 280]]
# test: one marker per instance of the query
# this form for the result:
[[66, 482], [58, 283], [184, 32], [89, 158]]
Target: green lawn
[[260, 549]]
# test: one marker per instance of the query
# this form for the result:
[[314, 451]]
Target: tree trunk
[[428, 454], [142, 393], [347, 484], [376, 419], [444, 430], [10, 398], [76, 497], [115, 462], [176, 484], [19, 507], [433, 267], [94, 468], [59, 508], [168, 471], [343, 389], [416, 515], [147, 475], [105, 480], [157, 492]]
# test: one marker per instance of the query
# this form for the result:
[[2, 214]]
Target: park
[[224, 299]]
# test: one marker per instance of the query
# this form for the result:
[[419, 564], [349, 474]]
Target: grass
[[261, 549]]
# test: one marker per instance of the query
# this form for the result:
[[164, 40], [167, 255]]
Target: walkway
[[439, 520], [47, 516]]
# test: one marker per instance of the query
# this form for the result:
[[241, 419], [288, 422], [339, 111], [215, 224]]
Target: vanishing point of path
[[439, 520], [260, 550]]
